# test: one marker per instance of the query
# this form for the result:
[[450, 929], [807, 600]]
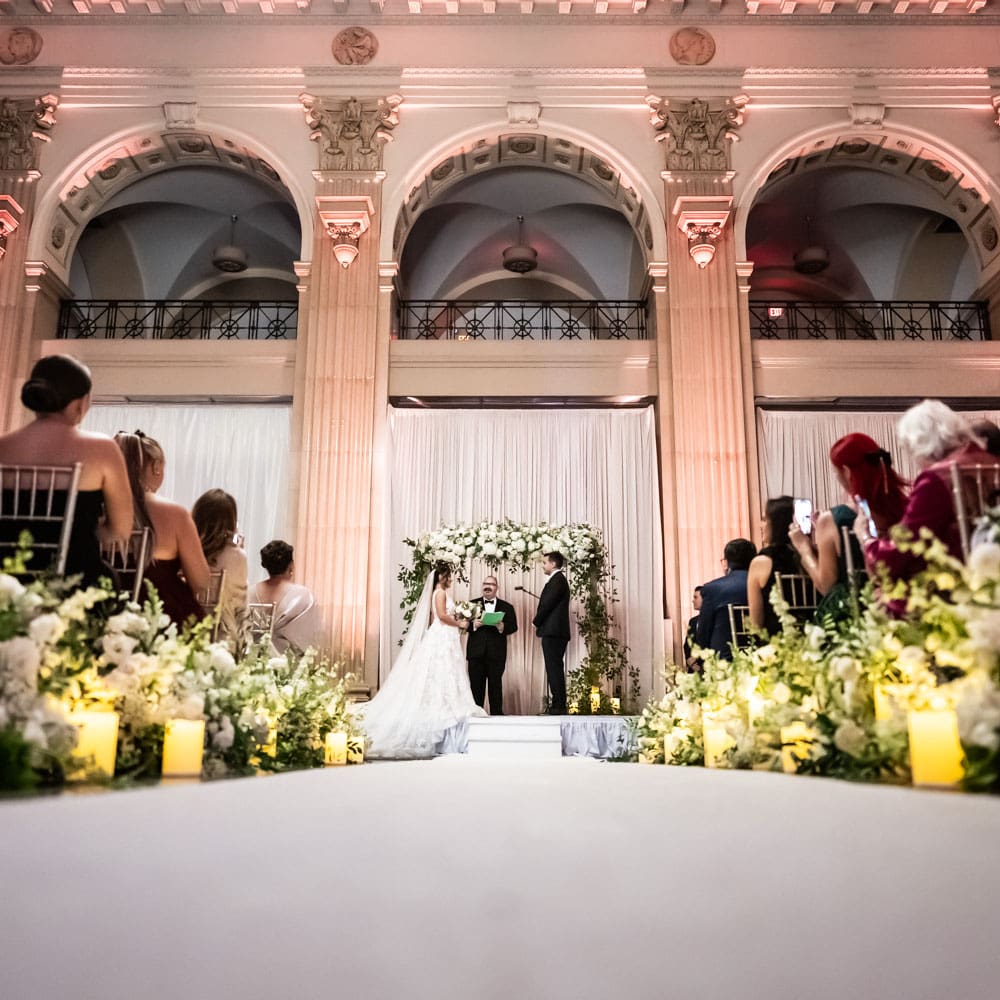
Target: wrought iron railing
[[869, 320], [459, 319], [181, 320]]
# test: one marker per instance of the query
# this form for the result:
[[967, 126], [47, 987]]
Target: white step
[[515, 736]]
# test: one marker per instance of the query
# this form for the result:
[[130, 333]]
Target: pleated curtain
[[563, 466]]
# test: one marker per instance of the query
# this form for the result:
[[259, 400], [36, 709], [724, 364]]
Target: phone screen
[[866, 511], [803, 515]]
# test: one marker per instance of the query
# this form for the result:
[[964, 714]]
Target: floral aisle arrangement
[[66, 656], [881, 696], [518, 547]]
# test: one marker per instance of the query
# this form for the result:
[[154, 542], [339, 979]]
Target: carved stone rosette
[[351, 134], [24, 126], [697, 133]]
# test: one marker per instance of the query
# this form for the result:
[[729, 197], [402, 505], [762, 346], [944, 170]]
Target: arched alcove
[[897, 220]]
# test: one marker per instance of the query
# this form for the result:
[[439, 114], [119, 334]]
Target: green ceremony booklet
[[491, 618]]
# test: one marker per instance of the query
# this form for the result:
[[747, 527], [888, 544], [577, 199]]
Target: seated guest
[[692, 627], [865, 471], [214, 514], [937, 437], [987, 432], [776, 556], [58, 393], [714, 629], [174, 543], [294, 623]]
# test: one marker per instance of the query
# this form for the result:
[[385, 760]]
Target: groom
[[486, 649], [552, 626]]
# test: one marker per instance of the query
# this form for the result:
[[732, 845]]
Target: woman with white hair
[[937, 437]]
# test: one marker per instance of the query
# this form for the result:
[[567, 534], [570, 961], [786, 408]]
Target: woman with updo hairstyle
[[174, 543], [865, 472], [58, 393], [937, 437], [293, 624], [776, 556], [215, 517]]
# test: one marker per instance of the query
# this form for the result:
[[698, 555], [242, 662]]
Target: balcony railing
[[899, 321], [183, 320], [572, 320]]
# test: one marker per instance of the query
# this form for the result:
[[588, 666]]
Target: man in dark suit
[[714, 629], [551, 623], [486, 649]]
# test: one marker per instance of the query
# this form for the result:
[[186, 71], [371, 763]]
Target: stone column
[[24, 126], [336, 403], [707, 410]]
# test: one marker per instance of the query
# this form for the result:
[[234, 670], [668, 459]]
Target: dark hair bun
[[41, 396]]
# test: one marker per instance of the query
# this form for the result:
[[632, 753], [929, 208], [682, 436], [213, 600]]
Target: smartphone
[[865, 511], [803, 516]]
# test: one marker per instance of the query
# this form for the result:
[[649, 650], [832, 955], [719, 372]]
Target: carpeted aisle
[[476, 880]]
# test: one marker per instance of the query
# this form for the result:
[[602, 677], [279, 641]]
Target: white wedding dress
[[426, 693]]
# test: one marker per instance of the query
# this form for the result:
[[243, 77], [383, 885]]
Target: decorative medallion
[[445, 167], [110, 170], [58, 236], [19, 46], [990, 238], [692, 47], [937, 172], [523, 144], [355, 47]]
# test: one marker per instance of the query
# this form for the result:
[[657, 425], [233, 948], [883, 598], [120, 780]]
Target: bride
[[427, 691]]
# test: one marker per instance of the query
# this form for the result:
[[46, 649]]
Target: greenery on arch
[[518, 547]]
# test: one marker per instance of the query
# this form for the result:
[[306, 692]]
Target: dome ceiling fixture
[[230, 258], [811, 259], [520, 258]]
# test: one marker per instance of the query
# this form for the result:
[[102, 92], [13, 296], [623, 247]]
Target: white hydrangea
[[46, 629]]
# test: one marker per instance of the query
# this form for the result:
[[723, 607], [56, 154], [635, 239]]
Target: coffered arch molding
[[104, 170], [963, 188], [503, 145]]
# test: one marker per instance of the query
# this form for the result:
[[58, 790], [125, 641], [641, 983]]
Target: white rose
[[489, 549], [118, 647], [222, 660], [781, 693], [19, 658], [10, 587], [46, 629], [984, 561], [849, 738], [846, 668], [223, 739]]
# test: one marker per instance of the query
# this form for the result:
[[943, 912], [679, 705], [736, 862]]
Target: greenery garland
[[605, 671]]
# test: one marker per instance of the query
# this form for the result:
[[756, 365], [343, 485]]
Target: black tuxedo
[[551, 622], [486, 651]]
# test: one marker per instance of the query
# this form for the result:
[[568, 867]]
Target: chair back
[[740, 625], [129, 559], [40, 499], [975, 488], [259, 619], [209, 597], [799, 592]]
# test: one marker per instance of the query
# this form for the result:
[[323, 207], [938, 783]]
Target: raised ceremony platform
[[539, 737], [485, 879]]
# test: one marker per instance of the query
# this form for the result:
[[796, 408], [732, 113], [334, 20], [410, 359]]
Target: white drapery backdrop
[[597, 467], [242, 449], [794, 447]]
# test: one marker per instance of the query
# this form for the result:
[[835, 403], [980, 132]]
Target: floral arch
[[605, 669]]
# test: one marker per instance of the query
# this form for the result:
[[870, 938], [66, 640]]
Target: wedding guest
[[989, 434], [215, 517], [174, 544], [551, 623], [865, 471], [776, 556], [714, 630], [937, 437], [692, 627], [58, 393], [295, 621], [486, 649]]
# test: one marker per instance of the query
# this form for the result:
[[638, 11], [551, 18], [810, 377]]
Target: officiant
[[486, 650]]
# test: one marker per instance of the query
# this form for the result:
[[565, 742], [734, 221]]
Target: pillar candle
[[616, 705], [717, 741], [595, 701], [795, 740], [336, 749], [97, 739], [935, 750], [183, 745]]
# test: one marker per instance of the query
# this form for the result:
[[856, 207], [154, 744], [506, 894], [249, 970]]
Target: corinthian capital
[[697, 133], [352, 133], [24, 126]]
